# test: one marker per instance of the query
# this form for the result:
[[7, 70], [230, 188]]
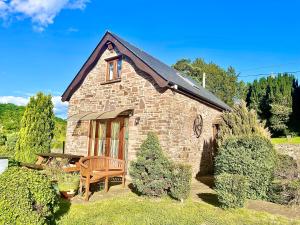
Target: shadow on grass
[[134, 190], [209, 198], [64, 206]]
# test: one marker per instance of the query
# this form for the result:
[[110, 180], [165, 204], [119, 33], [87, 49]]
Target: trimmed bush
[[181, 181], [231, 190], [26, 197], [286, 192], [151, 173], [251, 156]]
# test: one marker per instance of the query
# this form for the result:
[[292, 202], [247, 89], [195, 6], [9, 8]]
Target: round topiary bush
[[26, 197], [251, 156]]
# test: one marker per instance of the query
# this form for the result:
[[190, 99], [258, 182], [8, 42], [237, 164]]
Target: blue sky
[[43, 44]]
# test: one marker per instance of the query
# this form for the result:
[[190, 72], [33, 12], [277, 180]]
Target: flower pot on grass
[[68, 185]]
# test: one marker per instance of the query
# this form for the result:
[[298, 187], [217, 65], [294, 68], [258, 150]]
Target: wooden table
[[73, 160]]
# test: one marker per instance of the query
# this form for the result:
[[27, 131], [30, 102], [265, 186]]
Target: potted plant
[[68, 185]]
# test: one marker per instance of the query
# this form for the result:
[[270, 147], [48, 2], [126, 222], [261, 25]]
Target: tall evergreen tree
[[37, 128], [272, 98]]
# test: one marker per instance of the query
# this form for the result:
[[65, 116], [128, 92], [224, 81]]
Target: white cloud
[[60, 108], [15, 100], [41, 12]]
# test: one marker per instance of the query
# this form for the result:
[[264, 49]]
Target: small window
[[114, 67]]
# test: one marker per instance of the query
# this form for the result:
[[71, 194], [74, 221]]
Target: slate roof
[[173, 76]]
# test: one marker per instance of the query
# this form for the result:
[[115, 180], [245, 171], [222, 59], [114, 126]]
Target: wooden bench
[[96, 168]]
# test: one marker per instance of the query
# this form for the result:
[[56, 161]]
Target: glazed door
[[109, 138]]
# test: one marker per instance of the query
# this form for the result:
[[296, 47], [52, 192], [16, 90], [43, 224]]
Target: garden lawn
[[131, 209], [294, 140]]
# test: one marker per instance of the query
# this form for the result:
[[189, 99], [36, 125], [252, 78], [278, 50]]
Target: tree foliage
[[222, 83], [240, 122], [37, 128], [10, 122], [273, 99]]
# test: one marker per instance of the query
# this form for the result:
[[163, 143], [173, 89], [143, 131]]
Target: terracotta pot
[[68, 194]]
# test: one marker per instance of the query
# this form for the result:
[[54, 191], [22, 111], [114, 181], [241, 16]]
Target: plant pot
[[68, 194]]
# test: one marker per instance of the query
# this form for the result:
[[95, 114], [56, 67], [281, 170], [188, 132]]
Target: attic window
[[114, 67]]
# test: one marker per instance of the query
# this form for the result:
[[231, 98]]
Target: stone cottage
[[121, 93]]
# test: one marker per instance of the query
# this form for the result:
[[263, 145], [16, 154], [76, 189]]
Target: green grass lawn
[[131, 209], [294, 140]]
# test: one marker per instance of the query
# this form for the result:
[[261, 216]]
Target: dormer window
[[114, 67]]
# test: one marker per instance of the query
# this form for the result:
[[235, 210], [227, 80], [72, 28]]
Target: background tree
[[272, 98], [37, 128], [222, 83]]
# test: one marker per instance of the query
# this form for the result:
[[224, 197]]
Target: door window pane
[[114, 142], [93, 134], [126, 136], [101, 138]]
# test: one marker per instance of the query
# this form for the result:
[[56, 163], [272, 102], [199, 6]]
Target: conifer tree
[[37, 128], [241, 122], [150, 173]]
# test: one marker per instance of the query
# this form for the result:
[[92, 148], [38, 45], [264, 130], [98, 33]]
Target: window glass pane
[[114, 144], [111, 70], [101, 138], [119, 68]]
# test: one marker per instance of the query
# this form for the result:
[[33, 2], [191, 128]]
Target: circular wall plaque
[[198, 126]]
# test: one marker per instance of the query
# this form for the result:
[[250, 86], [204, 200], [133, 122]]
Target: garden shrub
[[151, 173], [181, 181], [26, 197], [251, 156], [3, 139], [231, 190], [11, 142], [286, 168], [12, 162], [286, 192]]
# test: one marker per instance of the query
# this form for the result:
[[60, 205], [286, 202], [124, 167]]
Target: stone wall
[[292, 150], [167, 113]]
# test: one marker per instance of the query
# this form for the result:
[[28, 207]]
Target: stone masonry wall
[[169, 114], [292, 150]]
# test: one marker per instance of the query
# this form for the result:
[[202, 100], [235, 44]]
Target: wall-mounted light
[[137, 121]]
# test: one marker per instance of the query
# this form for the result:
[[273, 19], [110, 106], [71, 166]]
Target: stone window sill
[[111, 81]]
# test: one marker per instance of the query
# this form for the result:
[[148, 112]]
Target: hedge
[[251, 156], [231, 190], [26, 197], [181, 181]]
